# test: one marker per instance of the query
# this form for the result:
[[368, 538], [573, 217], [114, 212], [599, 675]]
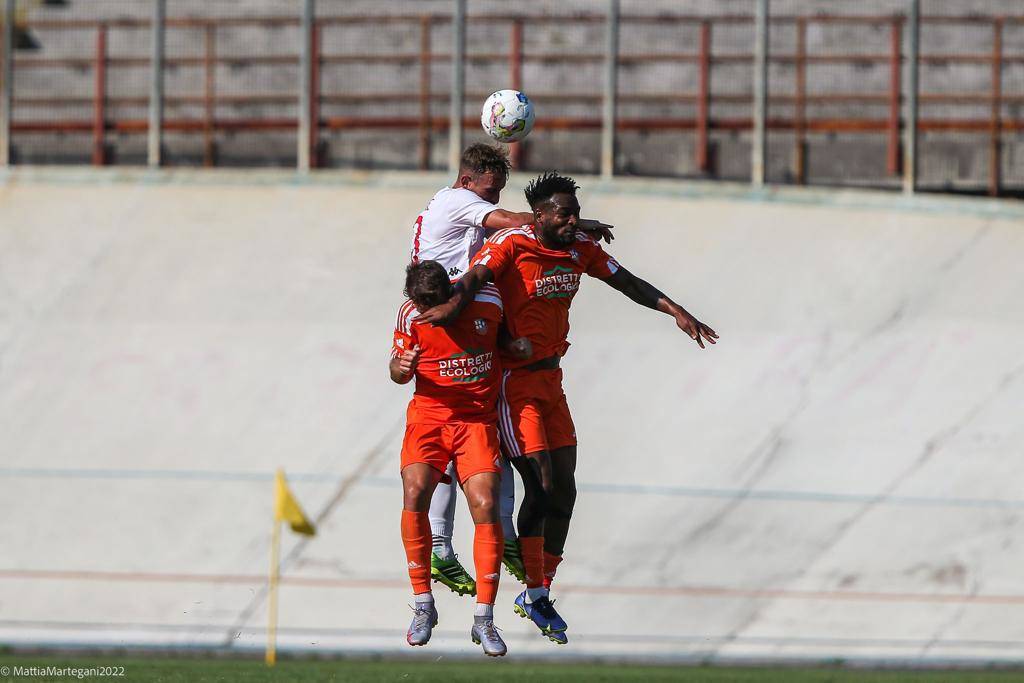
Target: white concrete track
[[840, 477]]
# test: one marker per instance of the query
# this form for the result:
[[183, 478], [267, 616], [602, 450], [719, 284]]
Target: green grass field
[[197, 670]]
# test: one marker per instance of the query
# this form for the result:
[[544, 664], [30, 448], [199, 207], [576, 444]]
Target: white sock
[[442, 546], [536, 593], [442, 517], [424, 598], [484, 610]]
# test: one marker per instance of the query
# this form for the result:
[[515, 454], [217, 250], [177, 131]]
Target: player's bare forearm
[[500, 219], [646, 294], [464, 291], [474, 280]]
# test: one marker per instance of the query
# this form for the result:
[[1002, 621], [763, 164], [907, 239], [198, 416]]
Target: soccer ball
[[507, 116]]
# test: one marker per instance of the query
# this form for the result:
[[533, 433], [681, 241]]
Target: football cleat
[[485, 633], [424, 619], [513, 560], [451, 573], [558, 637], [541, 612]]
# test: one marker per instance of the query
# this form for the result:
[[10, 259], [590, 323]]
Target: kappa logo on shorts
[[480, 325]]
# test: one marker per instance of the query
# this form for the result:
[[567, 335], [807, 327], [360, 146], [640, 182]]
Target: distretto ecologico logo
[[558, 283], [472, 365]]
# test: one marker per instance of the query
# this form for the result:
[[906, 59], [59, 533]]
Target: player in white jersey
[[450, 231]]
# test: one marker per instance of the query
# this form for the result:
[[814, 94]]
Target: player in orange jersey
[[451, 418], [537, 269], [450, 231]]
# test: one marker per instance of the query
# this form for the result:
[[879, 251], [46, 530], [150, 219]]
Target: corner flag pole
[[275, 566]]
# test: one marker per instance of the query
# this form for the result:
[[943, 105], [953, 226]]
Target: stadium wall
[[838, 479], [834, 116]]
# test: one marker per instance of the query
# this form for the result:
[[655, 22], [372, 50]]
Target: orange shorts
[[472, 445], [532, 412]]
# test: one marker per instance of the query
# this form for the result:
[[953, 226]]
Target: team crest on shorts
[[480, 325]]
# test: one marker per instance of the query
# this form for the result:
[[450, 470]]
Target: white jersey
[[450, 230]]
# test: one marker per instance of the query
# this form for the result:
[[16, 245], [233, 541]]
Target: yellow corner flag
[[287, 509]]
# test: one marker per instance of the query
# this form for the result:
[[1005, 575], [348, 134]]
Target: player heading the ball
[[451, 231]]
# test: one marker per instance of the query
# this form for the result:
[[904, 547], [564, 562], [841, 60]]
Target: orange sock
[[532, 549], [488, 546], [551, 563], [416, 539]]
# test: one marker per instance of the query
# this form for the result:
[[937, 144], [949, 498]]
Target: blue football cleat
[[558, 637], [541, 612]]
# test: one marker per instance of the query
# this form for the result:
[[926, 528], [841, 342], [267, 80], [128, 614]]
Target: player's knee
[[548, 488], [417, 495], [483, 505]]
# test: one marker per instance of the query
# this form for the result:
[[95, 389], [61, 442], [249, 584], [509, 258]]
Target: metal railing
[[308, 106]]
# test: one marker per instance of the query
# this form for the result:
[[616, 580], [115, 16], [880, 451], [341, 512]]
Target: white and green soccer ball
[[507, 116]]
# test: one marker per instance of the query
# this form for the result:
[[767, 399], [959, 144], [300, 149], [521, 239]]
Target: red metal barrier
[[703, 59]]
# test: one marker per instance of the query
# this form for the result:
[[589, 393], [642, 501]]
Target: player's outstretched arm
[[465, 289], [500, 219], [646, 294], [403, 367]]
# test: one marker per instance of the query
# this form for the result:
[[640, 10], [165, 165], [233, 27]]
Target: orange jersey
[[458, 373], [538, 284]]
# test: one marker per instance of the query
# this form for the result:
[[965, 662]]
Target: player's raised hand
[[596, 229], [698, 331], [442, 314], [408, 360]]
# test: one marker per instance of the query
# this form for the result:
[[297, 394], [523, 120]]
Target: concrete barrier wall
[[839, 478]]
